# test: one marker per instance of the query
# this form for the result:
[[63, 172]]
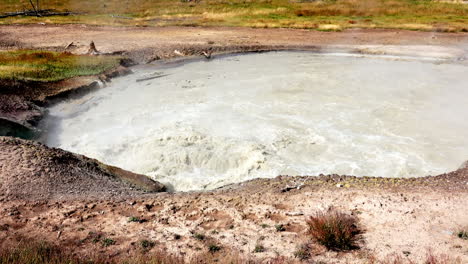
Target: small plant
[[303, 252], [463, 234], [280, 228], [146, 244], [94, 237], [199, 236], [334, 230], [263, 225], [214, 248], [108, 242], [134, 219], [259, 248]]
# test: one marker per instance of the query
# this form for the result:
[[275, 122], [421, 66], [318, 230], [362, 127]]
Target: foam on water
[[289, 113]]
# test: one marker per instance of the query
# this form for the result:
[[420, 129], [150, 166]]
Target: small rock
[[178, 53], [294, 213]]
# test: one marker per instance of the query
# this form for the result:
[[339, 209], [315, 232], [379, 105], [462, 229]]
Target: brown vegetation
[[44, 253], [334, 230], [410, 14], [369, 8]]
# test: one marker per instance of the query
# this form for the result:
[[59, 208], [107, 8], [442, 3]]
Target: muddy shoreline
[[24, 103], [178, 44]]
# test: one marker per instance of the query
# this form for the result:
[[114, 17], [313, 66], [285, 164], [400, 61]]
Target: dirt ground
[[145, 44], [406, 217]]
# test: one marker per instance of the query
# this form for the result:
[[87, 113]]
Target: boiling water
[[207, 124]]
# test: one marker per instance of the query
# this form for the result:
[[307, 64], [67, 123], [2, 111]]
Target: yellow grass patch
[[417, 26], [330, 27], [409, 14]]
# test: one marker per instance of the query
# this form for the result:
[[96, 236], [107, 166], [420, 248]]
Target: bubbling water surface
[[211, 123]]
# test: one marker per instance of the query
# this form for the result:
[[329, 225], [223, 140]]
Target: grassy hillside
[[51, 66], [321, 15]]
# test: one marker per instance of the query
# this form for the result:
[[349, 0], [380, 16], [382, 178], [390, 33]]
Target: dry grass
[[437, 259], [368, 8], [408, 14], [430, 258], [51, 66], [41, 253], [46, 253], [334, 230]]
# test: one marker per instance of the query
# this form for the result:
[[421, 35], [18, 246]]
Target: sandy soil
[[406, 217], [399, 217]]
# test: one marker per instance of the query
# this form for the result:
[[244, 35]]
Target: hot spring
[[204, 124]]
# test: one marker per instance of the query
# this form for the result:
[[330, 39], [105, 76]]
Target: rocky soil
[[32, 171], [52, 195], [399, 217]]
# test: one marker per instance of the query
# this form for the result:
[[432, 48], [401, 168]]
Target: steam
[[206, 124]]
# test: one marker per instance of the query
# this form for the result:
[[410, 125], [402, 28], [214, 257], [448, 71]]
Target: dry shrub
[[334, 230]]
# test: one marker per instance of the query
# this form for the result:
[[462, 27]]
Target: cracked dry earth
[[411, 217]]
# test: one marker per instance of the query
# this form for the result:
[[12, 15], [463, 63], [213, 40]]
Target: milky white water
[[288, 113]]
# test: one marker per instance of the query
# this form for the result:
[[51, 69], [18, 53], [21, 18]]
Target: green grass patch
[[199, 236], [259, 248], [106, 242], [51, 66]]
